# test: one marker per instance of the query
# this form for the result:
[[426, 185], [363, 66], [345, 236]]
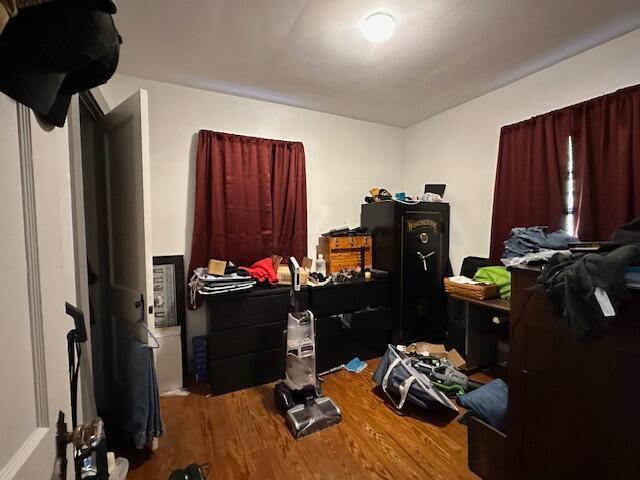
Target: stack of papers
[[462, 280]]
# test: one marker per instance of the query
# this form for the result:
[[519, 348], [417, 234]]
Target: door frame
[[87, 397]]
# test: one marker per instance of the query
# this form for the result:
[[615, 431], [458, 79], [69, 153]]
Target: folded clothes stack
[[205, 284], [534, 244]]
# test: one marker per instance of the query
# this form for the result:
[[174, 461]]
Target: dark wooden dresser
[[572, 411], [245, 330]]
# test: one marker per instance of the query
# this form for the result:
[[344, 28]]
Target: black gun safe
[[411, 242]]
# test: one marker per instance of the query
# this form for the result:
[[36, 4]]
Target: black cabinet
[[411, 242], [352, 320], [246, 330]]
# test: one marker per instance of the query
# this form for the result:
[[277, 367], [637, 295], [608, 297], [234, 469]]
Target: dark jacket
[[570, 282]]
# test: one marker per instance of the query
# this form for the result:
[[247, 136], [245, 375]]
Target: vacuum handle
[[294, 269], [80, 332]]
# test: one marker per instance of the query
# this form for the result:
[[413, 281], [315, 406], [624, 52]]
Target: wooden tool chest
[[345, 251]]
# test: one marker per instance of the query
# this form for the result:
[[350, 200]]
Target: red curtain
[[251, 199], [529, 188], [606, 139], [532, 163], [289, 199]]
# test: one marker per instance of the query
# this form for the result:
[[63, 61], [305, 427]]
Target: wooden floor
[[242, 436]]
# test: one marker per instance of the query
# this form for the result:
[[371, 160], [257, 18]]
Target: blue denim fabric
[[143, 420], [488, 403], [525, 240]]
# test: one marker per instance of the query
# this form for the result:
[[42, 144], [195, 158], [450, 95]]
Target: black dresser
[[245, 330]]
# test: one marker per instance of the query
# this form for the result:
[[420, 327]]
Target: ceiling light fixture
[[379, 27]]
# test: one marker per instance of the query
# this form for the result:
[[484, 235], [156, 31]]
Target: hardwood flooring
[[243, 437]]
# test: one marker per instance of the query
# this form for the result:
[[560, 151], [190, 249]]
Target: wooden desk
[[480, 345], [501, 304]]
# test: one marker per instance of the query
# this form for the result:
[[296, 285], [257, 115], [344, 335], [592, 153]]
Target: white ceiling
[[311, 53]]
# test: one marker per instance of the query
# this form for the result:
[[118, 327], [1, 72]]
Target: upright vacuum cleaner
[[299, 396], [88, 439]]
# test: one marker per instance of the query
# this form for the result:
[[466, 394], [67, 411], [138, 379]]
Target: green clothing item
[[498, 275]]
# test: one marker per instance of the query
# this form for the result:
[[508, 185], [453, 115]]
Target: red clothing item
[[262, 271]]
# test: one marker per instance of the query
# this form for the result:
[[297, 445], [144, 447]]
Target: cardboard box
[[216, 267], [284, 276], [439, 350]]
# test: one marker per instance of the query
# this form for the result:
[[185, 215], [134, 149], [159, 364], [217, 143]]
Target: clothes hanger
[[141, 322]]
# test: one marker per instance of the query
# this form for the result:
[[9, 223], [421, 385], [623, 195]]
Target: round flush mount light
[[379, 27]]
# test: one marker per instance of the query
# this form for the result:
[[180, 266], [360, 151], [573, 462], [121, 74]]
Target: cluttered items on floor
[[401, 381], [354, 365], [425, 374], [191, 472]]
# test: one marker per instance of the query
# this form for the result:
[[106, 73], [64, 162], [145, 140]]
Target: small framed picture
[[169, 291]]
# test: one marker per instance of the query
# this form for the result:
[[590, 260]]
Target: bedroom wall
[[344, 158], [460, 146]]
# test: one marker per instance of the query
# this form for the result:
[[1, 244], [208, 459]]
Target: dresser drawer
[[243, 371], [348, 297], [356, 241], [367, 337], [235, 311], [239, 341]]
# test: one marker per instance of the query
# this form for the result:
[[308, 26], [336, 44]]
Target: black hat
[[51, 51]]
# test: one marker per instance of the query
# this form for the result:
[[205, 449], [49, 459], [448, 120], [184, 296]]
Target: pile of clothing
[[530, 244], [589, 289], [262, 271], [498, 275]]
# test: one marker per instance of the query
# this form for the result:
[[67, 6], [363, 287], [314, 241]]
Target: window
[[569, 198]]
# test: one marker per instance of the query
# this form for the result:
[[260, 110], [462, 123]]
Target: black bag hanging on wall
[[52, 50]]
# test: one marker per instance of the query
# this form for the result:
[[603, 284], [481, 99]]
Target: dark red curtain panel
[[606, 139], [289, 199], [251, 199], [528, 190]]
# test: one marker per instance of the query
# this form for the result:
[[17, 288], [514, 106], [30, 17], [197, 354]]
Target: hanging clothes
[[143, 420]]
